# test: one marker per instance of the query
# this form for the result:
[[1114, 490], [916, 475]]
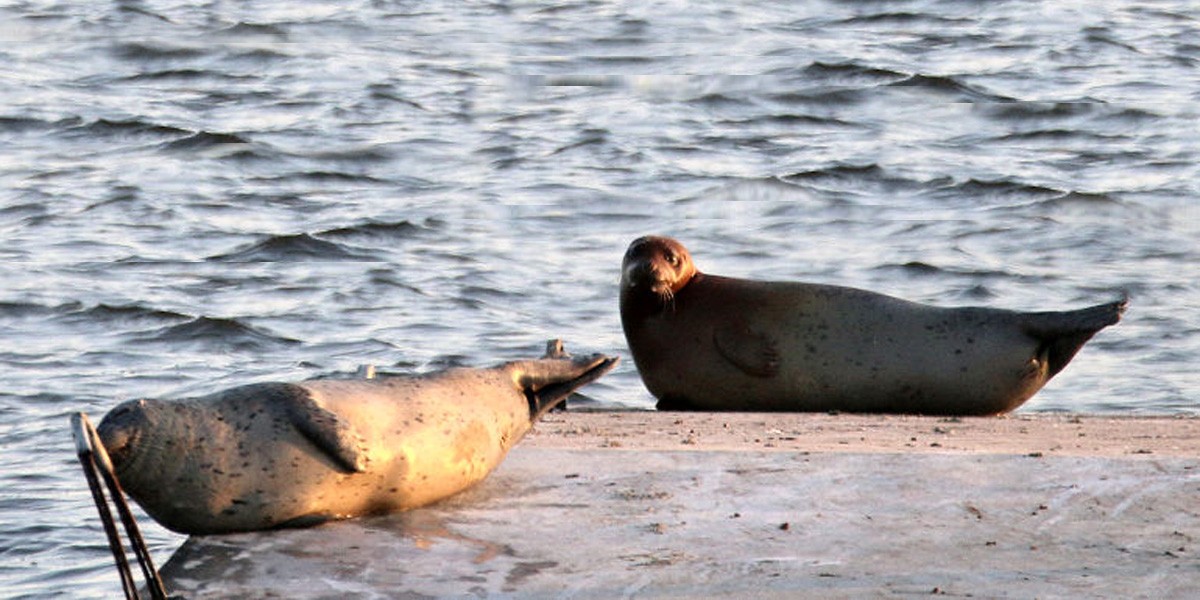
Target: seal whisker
[[666, 299]]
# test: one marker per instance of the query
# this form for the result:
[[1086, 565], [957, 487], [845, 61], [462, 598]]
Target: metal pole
[[83, 448], [95, 458]]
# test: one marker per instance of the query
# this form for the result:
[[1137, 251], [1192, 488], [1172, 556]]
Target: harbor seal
[[703, 342], [295, 454]]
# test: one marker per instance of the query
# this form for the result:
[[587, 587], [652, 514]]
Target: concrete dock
[[653, 505]]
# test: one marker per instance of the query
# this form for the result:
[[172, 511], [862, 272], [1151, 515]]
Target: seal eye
[[672, 259]]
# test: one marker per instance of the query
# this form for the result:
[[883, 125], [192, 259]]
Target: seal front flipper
[[754, 353], [329, 433]]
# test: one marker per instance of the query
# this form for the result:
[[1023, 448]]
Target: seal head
[[654, 269]]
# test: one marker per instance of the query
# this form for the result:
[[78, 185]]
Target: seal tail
[[1063, 333]]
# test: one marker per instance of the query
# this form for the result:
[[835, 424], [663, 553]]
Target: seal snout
[[643, 273]]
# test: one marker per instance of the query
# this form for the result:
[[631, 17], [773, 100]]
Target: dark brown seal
[[703, 342]]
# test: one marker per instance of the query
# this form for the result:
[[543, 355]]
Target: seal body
[[703, 342], [293, 454]]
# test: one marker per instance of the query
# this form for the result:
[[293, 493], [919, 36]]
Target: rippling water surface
[[195, 195]]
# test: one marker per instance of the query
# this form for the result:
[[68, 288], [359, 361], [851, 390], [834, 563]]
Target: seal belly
[[423, 445]]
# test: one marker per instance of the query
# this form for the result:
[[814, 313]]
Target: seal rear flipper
[[329, 433], [542, 399], [752, 352], [1063, 333]]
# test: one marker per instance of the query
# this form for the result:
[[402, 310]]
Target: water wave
[[21, 124], [331, 175], [296, 247], [855, 177], [181, 75], [823, 98], [943, 85], [154, 51], [1085, 204], [126, 314], [21, 309], [925, 269], [906, 19], [242, 30], [216, 333], [1038, 111], [851, 74], [203, 140], [1003, 191], [377, 231]]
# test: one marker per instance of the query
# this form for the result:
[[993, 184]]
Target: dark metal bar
[[87, 458], [95, 459]]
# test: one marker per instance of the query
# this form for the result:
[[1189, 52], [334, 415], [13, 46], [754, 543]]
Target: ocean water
[[196, 195]]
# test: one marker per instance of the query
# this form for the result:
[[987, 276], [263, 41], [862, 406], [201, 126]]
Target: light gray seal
[[294, 454], [704, 342]]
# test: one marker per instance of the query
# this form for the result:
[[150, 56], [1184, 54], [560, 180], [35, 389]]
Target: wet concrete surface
[[569, 514]]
